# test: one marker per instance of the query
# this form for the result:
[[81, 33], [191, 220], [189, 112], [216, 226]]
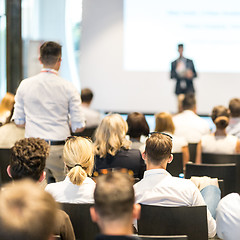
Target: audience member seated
[[112, 149], [234, 123], [115, 209], [228, 217], [27, 212], [28, 160], [187, 123], [6, 108], [138, 130], [164, 123], [218, 142], [77, 187], [93, 118], [158, 187]]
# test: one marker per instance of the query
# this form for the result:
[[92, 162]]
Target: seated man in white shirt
[[158, 187], [93, 117], [234, 123], [187, 123]]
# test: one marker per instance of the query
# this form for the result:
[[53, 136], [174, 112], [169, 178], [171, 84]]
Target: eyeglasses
[[163, 133]]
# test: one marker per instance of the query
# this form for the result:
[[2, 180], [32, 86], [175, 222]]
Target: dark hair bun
[[221, 122]]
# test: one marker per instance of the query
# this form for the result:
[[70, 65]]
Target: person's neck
[[86, 104], [220, 132], [51, 67], [116, 228], [151, 166]]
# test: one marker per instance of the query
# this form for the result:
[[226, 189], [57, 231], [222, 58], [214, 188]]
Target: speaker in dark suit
[[183, 70]]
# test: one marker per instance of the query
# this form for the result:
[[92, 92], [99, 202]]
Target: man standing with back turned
[[45, 104]]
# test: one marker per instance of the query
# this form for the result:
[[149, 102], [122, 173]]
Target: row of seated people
[[157, 187]]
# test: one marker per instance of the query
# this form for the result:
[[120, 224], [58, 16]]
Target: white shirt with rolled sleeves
[[45, 103], [158, 187], [228, 217]]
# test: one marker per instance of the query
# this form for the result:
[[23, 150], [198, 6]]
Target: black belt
[[50, 142]]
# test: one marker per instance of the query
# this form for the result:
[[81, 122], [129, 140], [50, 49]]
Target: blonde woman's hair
[[6, 106], [79, 159], [164, 122], [111, 136]]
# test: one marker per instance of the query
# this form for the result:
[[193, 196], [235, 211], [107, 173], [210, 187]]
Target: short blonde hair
[[164, 122], [79, 158], [27, 212], [111, 136]]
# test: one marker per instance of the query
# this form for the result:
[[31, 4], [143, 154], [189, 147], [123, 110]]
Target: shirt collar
[[156, 171], [49, 70]]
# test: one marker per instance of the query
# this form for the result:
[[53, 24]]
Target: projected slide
[[210, 31]]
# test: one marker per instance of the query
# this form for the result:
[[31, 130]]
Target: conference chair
[[83, 226], [87, 132], [226, 172], [182, 237], [5, 154], [159, 220], [192, 151], [176, 166]]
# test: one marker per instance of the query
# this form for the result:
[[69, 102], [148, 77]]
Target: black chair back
[[83, 226], [159, 220], [176, 166], [5, 154], [226, 172], [182, 237], [192, 151]]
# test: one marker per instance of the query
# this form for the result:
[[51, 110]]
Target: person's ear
[[94, 215], [42, 177], [39, 58], [136, 211], [170, 159], [144, 157], [9, 171]]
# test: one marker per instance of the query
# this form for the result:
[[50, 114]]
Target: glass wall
[[55, 20], [3, 78]]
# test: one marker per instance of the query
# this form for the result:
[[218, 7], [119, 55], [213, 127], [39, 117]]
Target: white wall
[[101, 68]]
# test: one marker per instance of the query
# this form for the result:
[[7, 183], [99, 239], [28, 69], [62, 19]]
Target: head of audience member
[[79, 159], [164, 123], [27, 212], [220, 116], [189, 102], [234, 107], [111, 136], [86, 96], [51, 55], [180, 49], [137, 125], [115, 208], [158, 151], [28, 159], [6, 108]]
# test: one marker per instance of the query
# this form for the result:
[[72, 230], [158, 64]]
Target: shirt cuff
[[76, 125], [19, 121]]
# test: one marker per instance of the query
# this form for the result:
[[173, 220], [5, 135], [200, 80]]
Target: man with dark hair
[[187, 123], [93, 118], [234, 123], [27, 212], [183, 70], [28, 160], [115, 209], [45, 105], [158, 187]]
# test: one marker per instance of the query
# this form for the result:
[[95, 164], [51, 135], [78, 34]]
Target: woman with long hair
[[77, 187], [112, 149]]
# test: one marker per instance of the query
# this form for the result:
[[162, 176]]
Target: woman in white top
[[164, 123], [77, 187], [219, 141]]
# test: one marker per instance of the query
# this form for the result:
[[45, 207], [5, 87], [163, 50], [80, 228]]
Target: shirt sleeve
[[199, 201], [19, 114], [75, 111]]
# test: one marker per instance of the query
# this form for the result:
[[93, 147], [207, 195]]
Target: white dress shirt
[[219, 144], [228, 217], [234, 126], [67, 192], [158, 187], [44, 103], [190, 126]]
